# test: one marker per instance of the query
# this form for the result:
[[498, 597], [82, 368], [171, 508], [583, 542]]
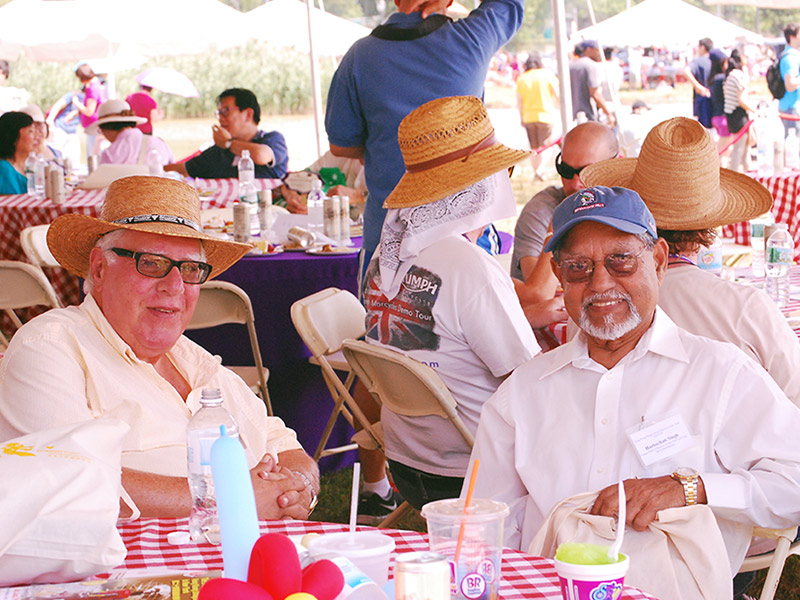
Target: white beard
[[610, 330]]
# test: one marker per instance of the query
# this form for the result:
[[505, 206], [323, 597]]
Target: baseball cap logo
[[587, 200]]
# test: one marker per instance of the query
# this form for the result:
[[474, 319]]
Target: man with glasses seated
[[122, 353], [239, 114], [585, 144], [681, 419]]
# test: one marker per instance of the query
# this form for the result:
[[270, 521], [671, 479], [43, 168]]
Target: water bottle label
[[757, 229], [779, 256]]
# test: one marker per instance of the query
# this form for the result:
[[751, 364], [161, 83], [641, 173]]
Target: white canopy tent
[[665, 23], [284, 22]]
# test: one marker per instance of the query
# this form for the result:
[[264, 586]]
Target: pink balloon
[[274, 565], [323, 580], [227, 589]]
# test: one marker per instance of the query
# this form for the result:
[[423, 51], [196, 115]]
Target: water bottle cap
[[210, 396], [245, 153]]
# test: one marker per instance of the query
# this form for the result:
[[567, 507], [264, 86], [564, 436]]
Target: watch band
[[689, 483]]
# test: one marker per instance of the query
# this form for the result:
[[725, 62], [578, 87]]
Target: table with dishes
[[522, 576], [785, 190]]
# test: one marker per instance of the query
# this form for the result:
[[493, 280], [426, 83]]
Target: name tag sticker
[[661, 440]]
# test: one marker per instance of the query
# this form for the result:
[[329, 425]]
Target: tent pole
[[315, 84], [564, 91]]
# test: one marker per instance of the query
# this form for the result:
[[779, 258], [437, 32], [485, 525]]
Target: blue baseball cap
[[618, 207]]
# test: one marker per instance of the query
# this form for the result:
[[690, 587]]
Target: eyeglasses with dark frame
[[224, 111], [578, 270], [158, 266], [566, 170]]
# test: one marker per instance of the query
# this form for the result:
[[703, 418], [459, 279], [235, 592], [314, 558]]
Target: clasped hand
[[280, 492], [645, 497]]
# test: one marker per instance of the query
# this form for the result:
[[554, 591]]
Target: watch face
[[685, 472]]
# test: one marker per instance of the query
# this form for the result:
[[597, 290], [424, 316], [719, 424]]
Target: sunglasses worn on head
[[158, 266], [578, 270], [567, 171]]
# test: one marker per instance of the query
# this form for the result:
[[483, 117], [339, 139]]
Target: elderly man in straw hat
[[682, 419], [701, 196], [434, 295], [121, 353]]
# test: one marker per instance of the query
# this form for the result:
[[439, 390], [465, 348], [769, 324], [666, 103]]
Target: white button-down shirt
[[559, 426], [69, 365]]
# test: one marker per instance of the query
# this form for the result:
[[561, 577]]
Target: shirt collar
[[661, 338], [95, 314], [404, 20]]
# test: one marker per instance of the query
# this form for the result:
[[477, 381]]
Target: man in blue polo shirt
[[415, 57], [238, 113], [790, 71]]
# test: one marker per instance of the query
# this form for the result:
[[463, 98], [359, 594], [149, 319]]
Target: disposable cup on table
[[472, 541], [368, 550], [592, 582]]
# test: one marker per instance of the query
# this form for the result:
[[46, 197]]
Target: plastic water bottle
[[247, 190], [30, 173], [39, 176], [764, 147], [201, 433], [791, 149], [710, 258], [780, 255], [154, 165], [757, 242], [316, 209]]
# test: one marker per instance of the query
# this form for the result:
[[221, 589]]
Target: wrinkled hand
[[541, 314], [645, 497], [356, 196], [221, 135], [705, 92], [280, 492], [295, 202]]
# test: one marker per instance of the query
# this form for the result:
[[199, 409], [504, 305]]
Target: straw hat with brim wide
[[678, 176], [139, 203], [114, 111], [448, 144]]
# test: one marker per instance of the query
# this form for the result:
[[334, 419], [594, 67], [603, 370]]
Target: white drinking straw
[[354, 497]]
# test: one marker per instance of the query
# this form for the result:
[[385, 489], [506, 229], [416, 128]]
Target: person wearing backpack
[[790, 71]]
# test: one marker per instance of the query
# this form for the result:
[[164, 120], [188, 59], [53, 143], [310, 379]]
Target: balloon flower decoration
[[275, 574]]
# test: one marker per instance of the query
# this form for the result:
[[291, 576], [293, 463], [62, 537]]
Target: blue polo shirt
[[379, 82], [790, 64], [217, 163]]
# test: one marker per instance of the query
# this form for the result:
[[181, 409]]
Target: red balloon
[[227, 589], [275, 566], [323, 580]]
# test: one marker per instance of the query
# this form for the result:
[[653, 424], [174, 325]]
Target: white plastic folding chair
[[774, 560], [221, 302], [34, 243], [323, 321], [23, 285]]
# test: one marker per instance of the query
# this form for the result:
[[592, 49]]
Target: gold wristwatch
[[687, 477]]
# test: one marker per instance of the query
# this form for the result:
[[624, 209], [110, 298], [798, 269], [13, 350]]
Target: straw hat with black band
[[448, 144], [678, 176], [139, 203]]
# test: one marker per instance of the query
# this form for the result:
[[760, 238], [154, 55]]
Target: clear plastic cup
[[367, 550], [475, 572], [590, 582]]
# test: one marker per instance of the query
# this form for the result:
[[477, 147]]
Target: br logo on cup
[[473, 585], [607, 591]]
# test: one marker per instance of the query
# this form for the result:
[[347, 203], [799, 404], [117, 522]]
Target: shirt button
[[604, 421]]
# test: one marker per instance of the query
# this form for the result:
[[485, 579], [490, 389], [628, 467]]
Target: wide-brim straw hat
[[448, 144], [139, 203], [114, 111], [678, 176]]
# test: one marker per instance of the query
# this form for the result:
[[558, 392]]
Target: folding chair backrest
[[34, 243], [403, 385], [220, 303], [325, 319], [23, 285]]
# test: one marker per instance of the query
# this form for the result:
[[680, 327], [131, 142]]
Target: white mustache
[[606, 297]]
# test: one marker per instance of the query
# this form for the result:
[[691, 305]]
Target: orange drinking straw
[[467, 502]]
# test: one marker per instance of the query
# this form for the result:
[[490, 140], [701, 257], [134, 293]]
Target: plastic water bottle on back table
[[248, 194], [316, 208], [779, 260], [758, 242], [201, 433]]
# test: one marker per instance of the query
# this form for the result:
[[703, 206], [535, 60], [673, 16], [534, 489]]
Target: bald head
[[583, 145]]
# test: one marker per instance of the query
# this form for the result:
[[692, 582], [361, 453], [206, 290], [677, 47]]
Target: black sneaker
[[372, 509]]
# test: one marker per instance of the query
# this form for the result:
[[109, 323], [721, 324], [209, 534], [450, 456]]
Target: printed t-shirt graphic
[[406, 321]]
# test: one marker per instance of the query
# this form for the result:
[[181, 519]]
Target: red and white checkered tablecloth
[[785, 190], [523, 576], [20, 211]]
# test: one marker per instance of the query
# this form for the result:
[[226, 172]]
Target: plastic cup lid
[[480, 510], [361, 543]]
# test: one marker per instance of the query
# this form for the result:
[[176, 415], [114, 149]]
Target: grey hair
[[104, 242], [648, 240]]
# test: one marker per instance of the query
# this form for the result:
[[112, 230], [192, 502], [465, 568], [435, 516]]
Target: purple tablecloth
[[298, 393]]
